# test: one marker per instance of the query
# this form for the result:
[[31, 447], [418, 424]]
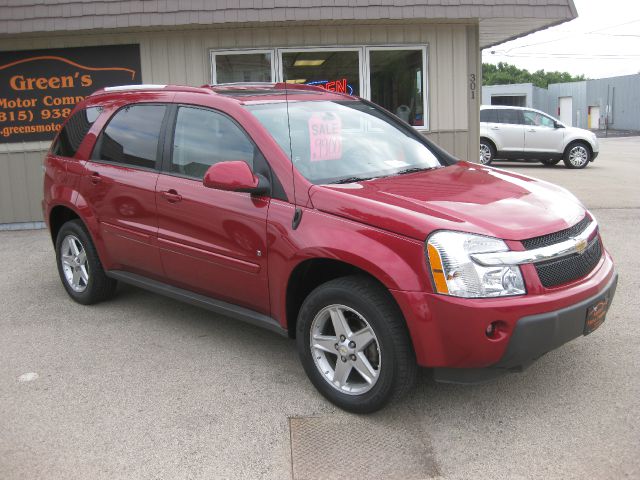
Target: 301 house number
[[472, 85]]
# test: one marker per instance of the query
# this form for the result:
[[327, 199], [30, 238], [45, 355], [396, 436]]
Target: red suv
[[327, 219]]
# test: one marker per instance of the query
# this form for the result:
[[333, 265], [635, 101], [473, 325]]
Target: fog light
[[491, 329], [496, 330]]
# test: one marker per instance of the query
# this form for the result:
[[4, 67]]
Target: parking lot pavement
[[146, 387]]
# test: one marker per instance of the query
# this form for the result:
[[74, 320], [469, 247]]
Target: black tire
[[577, 155], [487, 152], [98, 286], [396, 370], [550, 162]]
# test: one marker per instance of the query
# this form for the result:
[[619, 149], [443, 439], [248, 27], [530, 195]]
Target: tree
[[505, 73]]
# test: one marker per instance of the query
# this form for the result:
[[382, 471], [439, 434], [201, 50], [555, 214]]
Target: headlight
[[455, 273]]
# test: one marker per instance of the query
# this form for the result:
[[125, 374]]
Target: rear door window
[[74, 131], [131, 137], [507, 115]]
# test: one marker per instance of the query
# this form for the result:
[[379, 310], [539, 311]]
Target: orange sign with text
[[39, 89]]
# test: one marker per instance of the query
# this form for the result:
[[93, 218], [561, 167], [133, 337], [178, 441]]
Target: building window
[[245, 66], [397, 82], [334, 70], [393, 77]]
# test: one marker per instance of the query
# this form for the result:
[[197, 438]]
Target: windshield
[[339, 142]]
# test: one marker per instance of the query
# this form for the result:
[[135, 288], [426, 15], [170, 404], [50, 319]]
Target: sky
[[604, 41]]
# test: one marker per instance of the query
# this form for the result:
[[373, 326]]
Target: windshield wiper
[[414, 170], [352, 180]]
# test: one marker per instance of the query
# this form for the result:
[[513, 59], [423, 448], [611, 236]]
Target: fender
[[395, 261], [85, 212], [71, 199], [58, 196], [491, 139]]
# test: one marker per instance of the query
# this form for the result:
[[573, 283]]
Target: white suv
[[513, 132]]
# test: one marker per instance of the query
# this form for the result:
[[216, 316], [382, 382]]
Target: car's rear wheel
[[79, 267], [550, 162], [487, 152], [354, 345], [577, 155]]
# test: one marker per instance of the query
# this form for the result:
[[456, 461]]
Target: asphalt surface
[[146, 387]]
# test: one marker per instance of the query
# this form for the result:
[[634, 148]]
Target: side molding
[[208, 303]]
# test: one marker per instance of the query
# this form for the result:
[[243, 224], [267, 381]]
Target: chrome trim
[[577, 244], [142, 86]]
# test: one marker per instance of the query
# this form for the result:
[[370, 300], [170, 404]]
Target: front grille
[[556, 237], [567, 269]]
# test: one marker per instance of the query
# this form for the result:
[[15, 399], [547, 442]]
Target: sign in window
[[333, 70]]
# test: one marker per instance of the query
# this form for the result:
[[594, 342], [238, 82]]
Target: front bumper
[[449, 332], [533, 336]]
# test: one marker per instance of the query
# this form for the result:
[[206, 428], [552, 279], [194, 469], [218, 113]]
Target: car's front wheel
[[354, 345], [577, 155], [487, 152], [79, 266]]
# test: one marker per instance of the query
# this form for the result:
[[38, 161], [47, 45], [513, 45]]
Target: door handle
[[96, 178], [172, 196], [531, 130], [495, 128]]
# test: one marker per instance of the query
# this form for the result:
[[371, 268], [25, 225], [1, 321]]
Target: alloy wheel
[[485, 154], [578, 156], [345, 349], [75, 266]]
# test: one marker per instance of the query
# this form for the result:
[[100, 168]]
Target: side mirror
[[235, 176], [558, 125]]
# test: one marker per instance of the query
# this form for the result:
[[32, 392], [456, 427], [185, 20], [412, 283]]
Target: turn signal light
[[436, 270]]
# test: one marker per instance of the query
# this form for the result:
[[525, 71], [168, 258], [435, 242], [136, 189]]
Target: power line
[[615, 34], [571, 56], [574, 34]]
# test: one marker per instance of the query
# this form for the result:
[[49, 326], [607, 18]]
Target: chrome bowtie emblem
[[581, 246]]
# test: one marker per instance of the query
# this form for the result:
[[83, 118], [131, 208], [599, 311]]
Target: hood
[[465, 197]]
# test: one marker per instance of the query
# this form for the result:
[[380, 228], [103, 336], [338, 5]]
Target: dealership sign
[[40, 88]]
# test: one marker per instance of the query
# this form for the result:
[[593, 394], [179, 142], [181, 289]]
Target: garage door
[[565, 105]]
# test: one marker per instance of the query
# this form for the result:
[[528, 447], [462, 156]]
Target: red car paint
[[178, 231]]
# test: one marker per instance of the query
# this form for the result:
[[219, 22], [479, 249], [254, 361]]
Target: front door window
[[204, 137]]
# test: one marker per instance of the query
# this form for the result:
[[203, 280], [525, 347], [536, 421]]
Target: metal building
[[516, 95], [419, 59], [602, 103], [612, 103]]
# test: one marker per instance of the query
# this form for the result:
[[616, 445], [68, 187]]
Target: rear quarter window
[[74, 131], [488, 115]]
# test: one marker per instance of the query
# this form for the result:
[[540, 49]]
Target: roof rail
[[297, 86], [241, 84], [274, 86], [140, 86]]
